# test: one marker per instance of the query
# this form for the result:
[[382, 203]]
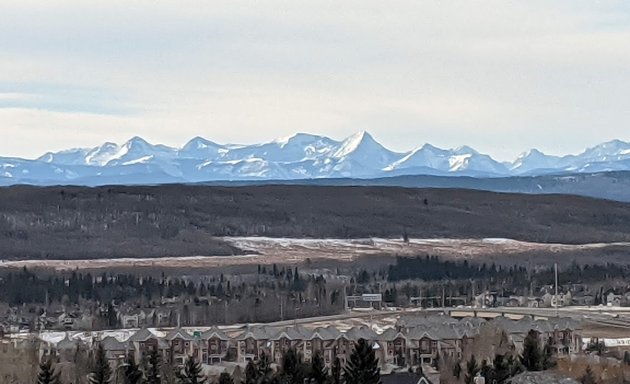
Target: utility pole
[[556, 274]]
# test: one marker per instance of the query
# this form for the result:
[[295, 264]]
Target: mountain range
[[298, 157]]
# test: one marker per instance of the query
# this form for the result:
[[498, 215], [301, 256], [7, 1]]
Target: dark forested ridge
[[174, 220]]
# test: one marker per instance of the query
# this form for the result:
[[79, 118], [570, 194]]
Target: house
[[144, 341], [134, 318], [613, 300], [583, 300], [115, 350], [182, 345], [216, 345], [323, 341]]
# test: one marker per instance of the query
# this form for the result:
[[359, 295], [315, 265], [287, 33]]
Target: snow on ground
[[294, 251]]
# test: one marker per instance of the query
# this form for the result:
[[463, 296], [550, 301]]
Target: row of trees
[[432, 268], [362, 368], [535, 357]]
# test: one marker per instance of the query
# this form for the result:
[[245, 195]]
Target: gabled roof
[[179, 333], [257, 333], [142, 335], [214, 332], [110, 343], [68, 343], [392, 334], [328, 333], [356, 333]]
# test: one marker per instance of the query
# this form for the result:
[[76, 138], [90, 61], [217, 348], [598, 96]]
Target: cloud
[[501, 76]]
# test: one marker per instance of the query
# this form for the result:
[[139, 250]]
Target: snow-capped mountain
[[300, 156], [460, 160]]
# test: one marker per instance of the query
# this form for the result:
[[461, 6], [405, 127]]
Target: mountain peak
[[465, 150], [198, 143], [136, 140], [298, 139]]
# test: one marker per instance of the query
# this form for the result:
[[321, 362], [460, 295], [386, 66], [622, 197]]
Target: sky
[[500, 76]]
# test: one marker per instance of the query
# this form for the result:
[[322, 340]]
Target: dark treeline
[[432, 268], [25, 286], [361, 368]]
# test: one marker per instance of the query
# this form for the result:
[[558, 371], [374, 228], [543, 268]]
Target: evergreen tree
[[548, 360], [485, 370], [192, 372], [131, 372], [319, 372], [362, 368], [251, 373], [225, 378], [472, 368], [265, 373], [101, 371], [500, 371], [154, 368], [532, 356], [515, 366], [47, 374], [335, 372], [292, 367], [588, 377]]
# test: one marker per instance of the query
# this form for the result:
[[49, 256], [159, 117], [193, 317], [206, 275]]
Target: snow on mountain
[[200, 148], [100, 156], [533, 160], [136, 149], [462, 159], [358, 156], [610, 151], [300, 156], [73, 156]]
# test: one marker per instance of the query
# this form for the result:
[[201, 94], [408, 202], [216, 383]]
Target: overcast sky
[[500, 76]]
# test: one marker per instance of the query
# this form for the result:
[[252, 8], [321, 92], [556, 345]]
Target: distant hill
[[605, 185], [178, 220]]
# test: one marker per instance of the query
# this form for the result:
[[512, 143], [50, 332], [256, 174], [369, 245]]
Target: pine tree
[[192, 373], [47, 374], [588, 377], [225, 378], [292, 367], [500, 370], [101, 371], [131, 372], [362, 368], [548, 360], [472, 368], [319, 372], [532, 356], [251, 373], [265, 373], [485, 370], [335, 372], [153, 370]]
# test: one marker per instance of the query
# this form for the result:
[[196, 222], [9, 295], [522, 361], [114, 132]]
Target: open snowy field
[[264, 250]]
